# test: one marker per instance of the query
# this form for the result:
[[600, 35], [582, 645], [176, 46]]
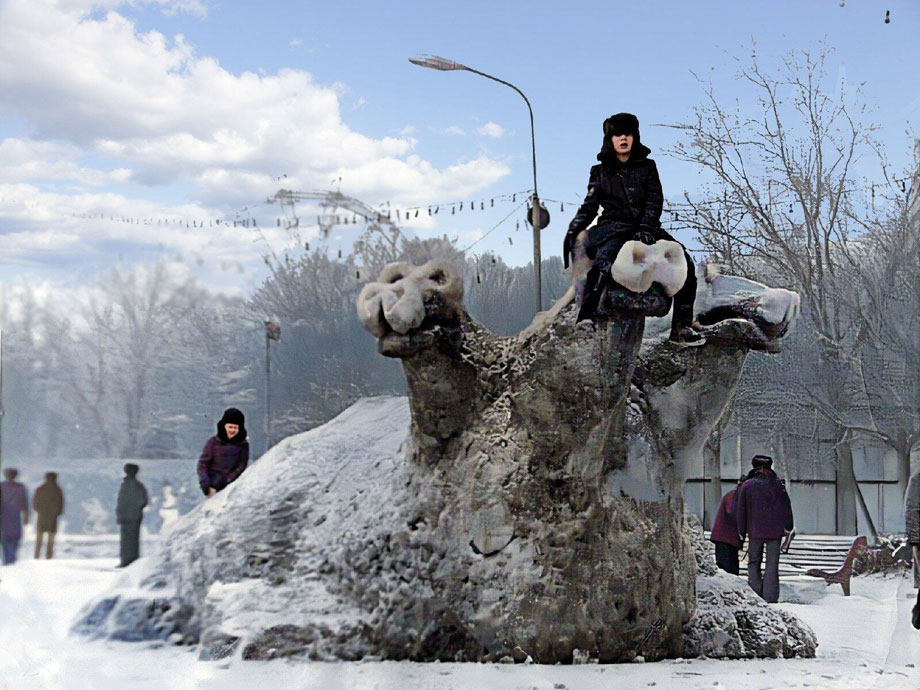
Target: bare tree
[[779, 207]]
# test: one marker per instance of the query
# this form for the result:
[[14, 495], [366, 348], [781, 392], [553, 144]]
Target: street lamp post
[[444, 65], [272, 332]]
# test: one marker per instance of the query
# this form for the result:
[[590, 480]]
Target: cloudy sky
[[129, 129]]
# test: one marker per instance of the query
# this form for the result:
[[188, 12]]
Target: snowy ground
[[866, 641]]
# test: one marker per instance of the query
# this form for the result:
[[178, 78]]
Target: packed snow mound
[[246, 563], [731, 621]]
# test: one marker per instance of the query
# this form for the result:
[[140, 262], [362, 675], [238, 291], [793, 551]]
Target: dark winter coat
[[132, 499], [912, 510], [14, 501], [630, 193], [222, 462], [48, 503], [725, 527], [762, 507]]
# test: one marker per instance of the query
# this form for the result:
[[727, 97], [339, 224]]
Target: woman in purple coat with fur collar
[[725, 533]]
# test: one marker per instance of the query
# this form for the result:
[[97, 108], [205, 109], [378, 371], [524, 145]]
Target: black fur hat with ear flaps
[[622, 123], [232, 416]]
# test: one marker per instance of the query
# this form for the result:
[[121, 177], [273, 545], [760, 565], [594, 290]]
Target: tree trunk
[[849, 496], [712, 471], [846, 489], [902, 446]]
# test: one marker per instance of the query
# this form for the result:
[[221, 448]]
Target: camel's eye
[[439, 277]]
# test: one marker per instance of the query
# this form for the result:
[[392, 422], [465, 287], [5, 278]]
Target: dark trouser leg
[[10, 547], [130, 542], [39, 535], [599, 275], [49, 552], [727, 557], [755, 556], [771, 571], [684, 298]]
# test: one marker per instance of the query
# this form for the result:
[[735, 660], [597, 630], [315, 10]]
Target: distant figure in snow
[[226, 455], [725, 532], [912, 524], [764, 513], [48, 504], [129, 511], [625, 184], [14, 513]]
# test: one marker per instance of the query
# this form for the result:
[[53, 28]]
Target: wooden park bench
[[828, 557], [818, 555]]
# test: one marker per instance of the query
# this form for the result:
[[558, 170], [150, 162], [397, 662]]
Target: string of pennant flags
[[245, 217]]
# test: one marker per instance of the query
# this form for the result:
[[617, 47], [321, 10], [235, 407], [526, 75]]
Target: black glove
[[568, 246], [644, 235]]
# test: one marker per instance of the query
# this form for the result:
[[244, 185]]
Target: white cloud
[[453, 129], [27, 159], [490, 129], [130, 109]]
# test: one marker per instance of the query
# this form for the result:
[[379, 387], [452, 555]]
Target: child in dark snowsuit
[[627, 186]]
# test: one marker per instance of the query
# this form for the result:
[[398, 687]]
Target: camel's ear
[[711, 270]]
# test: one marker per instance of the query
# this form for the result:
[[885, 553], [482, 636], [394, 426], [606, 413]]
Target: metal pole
[[268, 397], [535, 210]]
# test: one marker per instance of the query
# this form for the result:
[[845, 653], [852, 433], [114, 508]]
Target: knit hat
[[759, 461], [131, 469]]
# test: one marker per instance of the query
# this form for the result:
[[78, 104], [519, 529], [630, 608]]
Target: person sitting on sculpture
[[626, 185]]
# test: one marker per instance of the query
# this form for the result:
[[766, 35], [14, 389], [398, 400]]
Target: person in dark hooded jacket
[[626, 184], [48, 504], [129, 512], [225, 455], [763, 512]]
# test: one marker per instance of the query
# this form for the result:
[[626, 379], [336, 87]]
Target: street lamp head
[[435, 62]]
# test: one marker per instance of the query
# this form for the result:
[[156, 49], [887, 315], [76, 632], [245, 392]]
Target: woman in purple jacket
[[14, 505], [725, 533], [226, 455]]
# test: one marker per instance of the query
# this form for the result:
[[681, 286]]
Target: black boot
[[595, 282], [683, 334]]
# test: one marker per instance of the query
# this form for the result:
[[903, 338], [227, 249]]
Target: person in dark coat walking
[[225, 455], [129, 512], [48, 504], [912, 525], [626, 184], [14, 513], [725, 533], [763, 513]]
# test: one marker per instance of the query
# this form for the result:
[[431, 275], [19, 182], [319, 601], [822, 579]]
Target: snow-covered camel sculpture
[[534, 510], [558, 458]]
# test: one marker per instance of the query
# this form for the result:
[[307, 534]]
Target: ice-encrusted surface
[[731, 621]]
